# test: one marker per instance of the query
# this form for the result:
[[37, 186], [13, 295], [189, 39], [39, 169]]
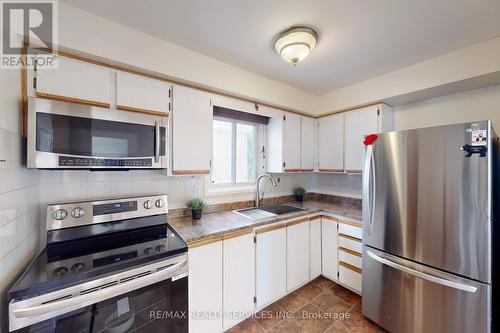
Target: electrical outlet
[[196, 191]]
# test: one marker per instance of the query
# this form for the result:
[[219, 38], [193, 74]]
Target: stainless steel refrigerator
[[429, 198]]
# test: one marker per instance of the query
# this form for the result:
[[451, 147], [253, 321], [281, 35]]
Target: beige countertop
[[213, 225]]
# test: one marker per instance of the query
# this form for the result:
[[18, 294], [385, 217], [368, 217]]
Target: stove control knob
[[148, 204], [160, 248], [60, 271], [78, 267], [59, 214], [148, 250], [159, 203], [77, 212]]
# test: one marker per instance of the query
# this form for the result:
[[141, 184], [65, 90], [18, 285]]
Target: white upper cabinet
[[140, 93], [238, 278], [291, 143], [75, 81], [291, 140], [191, 131], [270, 265], [331, 143], [358, 123], [307, 144], [297, 254]]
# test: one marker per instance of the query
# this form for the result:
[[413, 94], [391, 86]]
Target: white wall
[[473, 105], [18, 192]]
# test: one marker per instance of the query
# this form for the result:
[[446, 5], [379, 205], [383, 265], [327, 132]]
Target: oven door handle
[[157, 141], [76, 302]]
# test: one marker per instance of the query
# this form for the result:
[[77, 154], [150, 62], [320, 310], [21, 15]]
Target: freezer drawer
[[402, 296]]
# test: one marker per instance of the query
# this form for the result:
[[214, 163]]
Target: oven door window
[[95, 137], [158, 308]]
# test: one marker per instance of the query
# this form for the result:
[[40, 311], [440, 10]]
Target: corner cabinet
[[358, 123], [329, 247], [315, 246], [191, 131], [205, 288], [291, 142], [331, 143], [307, 144], [297, 253]]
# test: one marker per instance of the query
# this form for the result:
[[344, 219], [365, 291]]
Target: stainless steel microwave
[[65, 135]]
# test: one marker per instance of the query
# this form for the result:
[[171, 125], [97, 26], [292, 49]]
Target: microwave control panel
[[70, 161]]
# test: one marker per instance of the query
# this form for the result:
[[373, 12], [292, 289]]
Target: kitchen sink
[[262, 212]]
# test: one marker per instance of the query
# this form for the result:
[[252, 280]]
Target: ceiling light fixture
[[294, 44]]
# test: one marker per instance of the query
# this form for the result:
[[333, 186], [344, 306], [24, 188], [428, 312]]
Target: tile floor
[[320, 306]]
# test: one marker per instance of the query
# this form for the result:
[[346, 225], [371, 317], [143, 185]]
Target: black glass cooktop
[[69, 263]]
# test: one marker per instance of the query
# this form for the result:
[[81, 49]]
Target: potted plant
[[196, 206], [298, 193]]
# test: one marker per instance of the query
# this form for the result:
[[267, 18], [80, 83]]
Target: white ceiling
[[358, 39]]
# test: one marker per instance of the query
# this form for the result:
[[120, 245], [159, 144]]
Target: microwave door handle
[[80, 301], [421, 275], [157, 141]]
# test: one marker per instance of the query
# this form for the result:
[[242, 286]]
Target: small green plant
[[299, 191], [196, 203]]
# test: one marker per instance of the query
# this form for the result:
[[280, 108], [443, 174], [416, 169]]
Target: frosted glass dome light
[[294, 44]]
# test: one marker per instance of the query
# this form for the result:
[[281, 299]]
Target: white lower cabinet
[[297, 253], [205, 288], [350, 255], [350, 277], [270, 264], [315, 247], [329, 247], [239, 278]]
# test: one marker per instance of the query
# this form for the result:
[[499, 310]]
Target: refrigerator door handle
[[369, 186], [424, 276]]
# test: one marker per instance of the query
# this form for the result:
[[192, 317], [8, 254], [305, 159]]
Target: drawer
[[350, 257], [350, 276], [350, 243], [350, 230]]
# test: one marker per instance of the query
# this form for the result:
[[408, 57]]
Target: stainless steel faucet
[[259, 197]]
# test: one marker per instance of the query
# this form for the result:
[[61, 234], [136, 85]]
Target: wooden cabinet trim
[[190, 172], [354, 253], [354, 171], [307, 170], [271, 228], [72, 100], [139, 110], [350, 267], [293, 170], [298, 221], [354, 224], [331, 170], [237, 233], [350, 237], [205, 241], [329, 218], [315, 217]]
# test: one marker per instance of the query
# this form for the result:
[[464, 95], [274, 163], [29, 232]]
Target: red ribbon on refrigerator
[[370, 139]]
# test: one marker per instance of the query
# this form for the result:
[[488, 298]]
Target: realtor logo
[[31, 23]]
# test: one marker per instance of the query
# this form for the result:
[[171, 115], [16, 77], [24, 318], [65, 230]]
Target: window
[[234, 151]]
